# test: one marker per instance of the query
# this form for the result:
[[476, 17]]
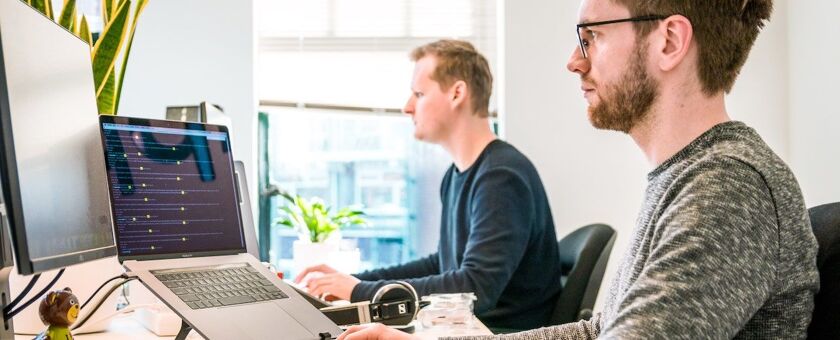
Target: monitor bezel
[[10, 183], [108, 119]]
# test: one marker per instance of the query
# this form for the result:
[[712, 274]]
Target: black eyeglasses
[[584, 43]]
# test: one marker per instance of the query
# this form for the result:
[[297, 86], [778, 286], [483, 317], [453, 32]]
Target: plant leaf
[[105, 99], [84, 31], [107, 10], [285, 222], [107, 47], [43, 6], [67, 19], [141, 5]]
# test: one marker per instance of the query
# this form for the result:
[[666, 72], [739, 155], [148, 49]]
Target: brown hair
[[459, 60], [725, 31]]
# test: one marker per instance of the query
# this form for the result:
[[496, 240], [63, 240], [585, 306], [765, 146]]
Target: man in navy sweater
[[497, 235]]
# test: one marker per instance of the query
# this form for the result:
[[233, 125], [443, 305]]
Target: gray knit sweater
[[722, 249]]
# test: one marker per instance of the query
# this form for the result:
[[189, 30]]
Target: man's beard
[[627, 103]]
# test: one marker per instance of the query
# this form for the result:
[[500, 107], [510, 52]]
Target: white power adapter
[[158, 319]]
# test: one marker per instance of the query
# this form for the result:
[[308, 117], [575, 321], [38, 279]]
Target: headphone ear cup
[[398, 291]]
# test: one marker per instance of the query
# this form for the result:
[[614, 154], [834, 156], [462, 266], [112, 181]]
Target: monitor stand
[[6, 267], [7, 331]]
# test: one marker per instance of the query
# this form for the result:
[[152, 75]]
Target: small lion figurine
[[58, 310]]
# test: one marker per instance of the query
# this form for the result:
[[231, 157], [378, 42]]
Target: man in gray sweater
[[723, 246]]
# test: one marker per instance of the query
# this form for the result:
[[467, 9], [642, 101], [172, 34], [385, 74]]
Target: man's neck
[[676, 121], [467, 140]]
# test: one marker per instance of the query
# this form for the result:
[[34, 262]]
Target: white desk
[[126, 328]]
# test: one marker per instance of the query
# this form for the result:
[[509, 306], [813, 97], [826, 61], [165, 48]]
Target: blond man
[[497, 235]]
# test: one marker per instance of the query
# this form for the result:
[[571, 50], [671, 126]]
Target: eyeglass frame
[[642, 18]]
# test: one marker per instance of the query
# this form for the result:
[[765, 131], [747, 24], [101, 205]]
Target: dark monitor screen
[[51, 166], [173, 191]]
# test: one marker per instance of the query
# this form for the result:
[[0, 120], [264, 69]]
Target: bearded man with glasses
[[722, 247]]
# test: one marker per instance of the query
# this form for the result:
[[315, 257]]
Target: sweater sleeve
[[581, 330], [418, 268], [501, 219], [711, 263]]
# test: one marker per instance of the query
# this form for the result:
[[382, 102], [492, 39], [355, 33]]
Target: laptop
[[178, 227]]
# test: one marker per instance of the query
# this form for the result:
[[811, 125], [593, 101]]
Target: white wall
[[188, 51], [598, 176], [814, 53]]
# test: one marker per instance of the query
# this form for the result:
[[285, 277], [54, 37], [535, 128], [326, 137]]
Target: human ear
[[673, 41], [458, 93]]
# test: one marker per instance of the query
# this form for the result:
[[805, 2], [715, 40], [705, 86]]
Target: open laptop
[[177, 227]]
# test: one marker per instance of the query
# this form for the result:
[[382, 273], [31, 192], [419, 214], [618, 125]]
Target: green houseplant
[[114, 42], [313, 220], [318, 237]]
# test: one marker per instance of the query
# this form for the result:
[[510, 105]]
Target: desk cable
[[126, 278], [8, 313]]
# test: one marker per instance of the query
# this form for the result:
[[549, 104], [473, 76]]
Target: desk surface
[[127, 328]]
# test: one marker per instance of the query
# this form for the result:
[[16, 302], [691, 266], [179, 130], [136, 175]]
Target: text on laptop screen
[[172, 188]]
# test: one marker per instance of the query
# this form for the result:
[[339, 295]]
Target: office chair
[[583, 260], [825, 321]]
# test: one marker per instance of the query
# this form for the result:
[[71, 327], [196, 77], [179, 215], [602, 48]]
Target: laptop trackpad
[[264, 321]]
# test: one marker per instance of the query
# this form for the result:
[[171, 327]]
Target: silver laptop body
[[175, 202]]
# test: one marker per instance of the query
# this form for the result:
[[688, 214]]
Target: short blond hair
[[459, 60]]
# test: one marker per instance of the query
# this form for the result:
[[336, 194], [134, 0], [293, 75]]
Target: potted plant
[[114, 41], [318, 228]]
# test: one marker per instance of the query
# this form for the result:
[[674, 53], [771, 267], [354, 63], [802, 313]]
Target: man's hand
[[374, 331], [321, 268], [339, 285]]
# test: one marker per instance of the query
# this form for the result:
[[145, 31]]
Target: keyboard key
[[271, 288], [235, 300], [189, 298]]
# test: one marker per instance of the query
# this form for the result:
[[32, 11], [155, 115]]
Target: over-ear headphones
[[394, 304]]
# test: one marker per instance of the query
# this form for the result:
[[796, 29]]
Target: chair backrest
[[583, 260], [825, 322]]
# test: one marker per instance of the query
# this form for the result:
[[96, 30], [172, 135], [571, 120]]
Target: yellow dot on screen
[[136, 137], [153, 247], [139, 154], [182, 208], [183, 239], [148, 216], [150, 231], [144, 185], [125, 155], [145, 199], [183, 222], [183, 192], [134, 219], [141, 168], [178, 162], [173, 148], [129, 187], [178, 178]]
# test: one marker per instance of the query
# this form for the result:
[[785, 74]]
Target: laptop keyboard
[[208, 287]]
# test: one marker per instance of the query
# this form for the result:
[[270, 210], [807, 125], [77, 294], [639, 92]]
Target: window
[[332, 77]]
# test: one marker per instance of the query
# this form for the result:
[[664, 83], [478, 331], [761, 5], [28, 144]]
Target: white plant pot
[[330, 252], [306, 254]]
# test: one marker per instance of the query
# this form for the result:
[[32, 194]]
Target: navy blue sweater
[[497, 240]]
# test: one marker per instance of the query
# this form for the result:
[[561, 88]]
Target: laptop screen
[[172, 188]]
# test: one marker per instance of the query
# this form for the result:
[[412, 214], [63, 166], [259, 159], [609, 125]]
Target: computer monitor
[[52, 169]]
